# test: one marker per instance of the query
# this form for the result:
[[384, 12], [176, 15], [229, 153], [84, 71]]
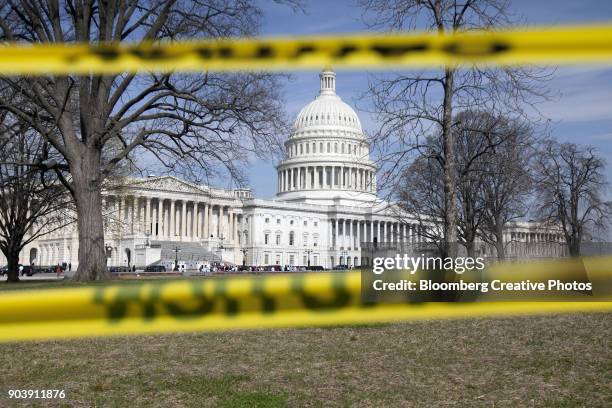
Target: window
[[328, 147], [267, 220], [314, 147], [305, 260], [277, 259], [335, 147], [278, 239], [305, 223], [291, 222], [342, 148], [305, 240], [266, 259], [291, 238], [316, 223], [267, 238], [321, 147], [307, 148], [301, 148], [291, 260], [278, 221]]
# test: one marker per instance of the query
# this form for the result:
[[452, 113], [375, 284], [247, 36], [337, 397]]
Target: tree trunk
[[12, 258], [87, 185], [470, 248], [574, 247], [450, 184], [500, 247]]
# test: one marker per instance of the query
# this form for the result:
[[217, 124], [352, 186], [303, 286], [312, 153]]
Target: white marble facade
[[326, 205]]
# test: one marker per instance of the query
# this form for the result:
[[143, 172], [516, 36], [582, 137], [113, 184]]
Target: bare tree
[[507, 181], [421, 190], [192, 124], [32, 202], [411, 106], [570, 184]]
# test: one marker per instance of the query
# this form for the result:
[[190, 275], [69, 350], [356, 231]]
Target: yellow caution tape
[[383, 51], [315, 299]]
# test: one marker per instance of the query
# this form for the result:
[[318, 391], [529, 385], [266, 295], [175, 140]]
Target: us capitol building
[[326, 205]]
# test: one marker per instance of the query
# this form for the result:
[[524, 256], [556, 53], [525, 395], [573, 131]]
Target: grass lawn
[[556, 361]]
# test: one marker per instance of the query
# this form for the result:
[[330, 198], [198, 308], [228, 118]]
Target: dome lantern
[[328, 82]]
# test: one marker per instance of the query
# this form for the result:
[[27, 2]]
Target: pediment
[[169, 184]]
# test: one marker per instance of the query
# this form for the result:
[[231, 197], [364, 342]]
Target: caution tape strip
[[315, 299], [567, 45]]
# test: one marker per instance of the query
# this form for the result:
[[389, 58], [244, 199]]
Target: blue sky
[[580, 112]]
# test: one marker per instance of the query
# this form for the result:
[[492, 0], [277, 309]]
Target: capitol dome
[[327, 153], [327, 109]]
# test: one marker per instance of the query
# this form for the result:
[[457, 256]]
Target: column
[[371, 230], [172, 231], [206, 220], [122, 210], [350, 234], [220, 223], [198, 220], [236, 228], [337, 233], [148, 227], [160, 213], [195, 222], [230, 230], [132, 212], [358, 234], [184, 220]]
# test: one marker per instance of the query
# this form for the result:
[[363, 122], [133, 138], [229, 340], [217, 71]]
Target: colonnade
[[173, 219], [326, 177], [537, 237], [349, 233]]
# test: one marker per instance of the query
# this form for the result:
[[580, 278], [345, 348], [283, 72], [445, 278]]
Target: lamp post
[[244, 254], [109, 252], [308, 251], [176, 251]]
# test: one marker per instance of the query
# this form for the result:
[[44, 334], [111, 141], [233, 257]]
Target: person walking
[[58, 270]]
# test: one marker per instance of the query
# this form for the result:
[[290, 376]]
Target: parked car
[[118, 269], [3, 270], [27, 270], [316, 268], [341, 268], [155, 268]]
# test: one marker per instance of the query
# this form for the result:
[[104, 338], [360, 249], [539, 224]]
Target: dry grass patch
[[531, 361]]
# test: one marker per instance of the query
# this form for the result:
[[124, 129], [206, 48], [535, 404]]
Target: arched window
[[291, 238], [314, 147], [301, 148], [307, 148], [335, 147], [342, 148], [328, 147]]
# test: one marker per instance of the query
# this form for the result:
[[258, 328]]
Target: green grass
[[552, 361]]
